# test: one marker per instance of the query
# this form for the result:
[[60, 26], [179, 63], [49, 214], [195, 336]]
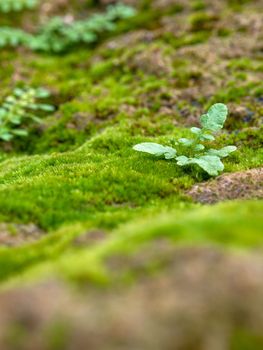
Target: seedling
[[17, 5], [196, 150], [20, 107], [58, 36]]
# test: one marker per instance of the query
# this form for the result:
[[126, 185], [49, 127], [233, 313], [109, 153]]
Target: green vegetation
[[57, 35], [20, 107], [17, 5], [11, 37], [236, 226], [81, 209], [196, 152]]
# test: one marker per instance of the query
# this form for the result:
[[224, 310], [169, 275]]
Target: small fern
[[11, 37], [58, 36], [17, 5], [196, 150], [18, 108]]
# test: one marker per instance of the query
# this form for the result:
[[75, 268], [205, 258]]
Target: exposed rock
[[199, 302], [17, 234], [80, 121], [163, 4], [159, 252], [240, 185], [240, 116], [52, 7], [89, 238], [151, 60], [126, 2], [131, 38]]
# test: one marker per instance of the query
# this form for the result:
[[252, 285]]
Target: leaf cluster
[[195, 150], [14, 37], [58, 35], [17, 5], [20, 107]]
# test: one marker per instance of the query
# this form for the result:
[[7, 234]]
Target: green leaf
[[199, 147], [18, 92], [211, 164], [15, 119], [186, 142], [215, 118], [182, 160], [46, 108], [36, 119], [20, 132], [223, 152], [195, 130], [42, 93], [6, 136], [207, 137], [156, 149]]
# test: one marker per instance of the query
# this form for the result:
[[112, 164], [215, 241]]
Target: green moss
[[106, 104], [103, 176], [224, 32], [232, 225], [186, 40], [245, 63], [202, 21], [16, 335], [75, 186], [185, 78], [250, 139], [234, 93], [148, 18], [238, 4], [57, 335], [244, 340], [198, 5]]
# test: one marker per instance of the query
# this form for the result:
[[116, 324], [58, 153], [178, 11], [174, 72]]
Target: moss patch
[[118, 225]]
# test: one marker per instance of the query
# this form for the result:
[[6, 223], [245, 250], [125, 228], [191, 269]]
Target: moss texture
[[76, 173]]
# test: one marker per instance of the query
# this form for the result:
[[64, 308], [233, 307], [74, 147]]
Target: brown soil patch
[[12, 235], [89, 238], [152, 61], [198, 302], [240, 185]]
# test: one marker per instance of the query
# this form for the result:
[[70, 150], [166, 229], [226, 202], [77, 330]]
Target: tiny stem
[[196, 142]]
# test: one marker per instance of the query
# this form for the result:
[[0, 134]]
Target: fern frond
[[17, 5], [18, 107]]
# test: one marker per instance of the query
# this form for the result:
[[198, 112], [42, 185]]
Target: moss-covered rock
[[150, 267], [241, 185]]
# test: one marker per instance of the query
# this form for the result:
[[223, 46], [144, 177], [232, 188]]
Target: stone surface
[[12, 235], [198, 302], [240, 185]]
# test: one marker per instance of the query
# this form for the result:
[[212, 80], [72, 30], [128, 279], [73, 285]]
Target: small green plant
[[17, 5], [193, 151], [20, 107], [11, 37], [58, 36]]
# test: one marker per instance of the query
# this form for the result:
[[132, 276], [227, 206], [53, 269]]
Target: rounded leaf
[[211, 164], [223, 152], [182, 160], [215, 118], [207, 137], [186, 142], [156, 149], [195, 130], [199, 147]]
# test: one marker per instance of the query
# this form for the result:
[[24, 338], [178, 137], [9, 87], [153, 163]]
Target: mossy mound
[[240, 185], [134, 262]]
